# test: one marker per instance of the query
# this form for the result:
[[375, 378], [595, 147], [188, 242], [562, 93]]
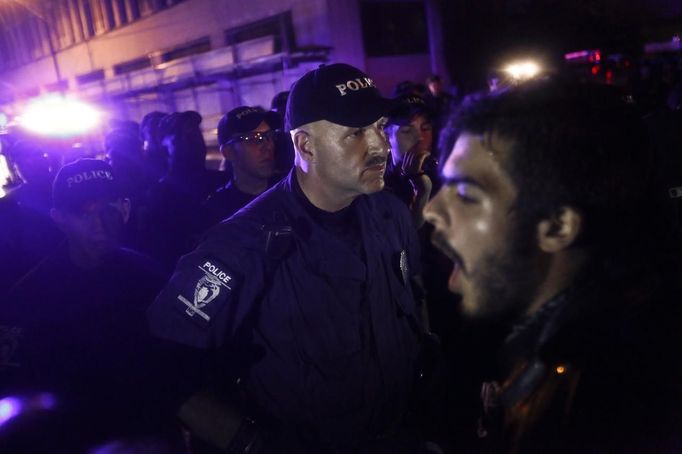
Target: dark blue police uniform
[[337, 326]]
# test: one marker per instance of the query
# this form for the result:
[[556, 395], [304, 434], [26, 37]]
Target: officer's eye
[[358, 133]]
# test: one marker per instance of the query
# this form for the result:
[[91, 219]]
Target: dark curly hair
[[576, 145]]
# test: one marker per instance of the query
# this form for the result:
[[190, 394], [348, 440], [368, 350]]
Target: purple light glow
[[9, 408], [45, 401]]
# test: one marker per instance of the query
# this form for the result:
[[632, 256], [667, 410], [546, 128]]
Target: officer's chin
[[102, 246], [372, 182], [375, 186]]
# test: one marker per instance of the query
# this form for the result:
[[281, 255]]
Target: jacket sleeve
[[210, 293]]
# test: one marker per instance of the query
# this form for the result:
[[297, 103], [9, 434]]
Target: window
[[394, 28], [132, 65], [60, 24], [98, 17], [279, 27], [29, 39], [108, 13], [146, 6], [121, 12], [93, 76], [5, 49], [196, 47], [88, 22], [133, 9], [76, 21]]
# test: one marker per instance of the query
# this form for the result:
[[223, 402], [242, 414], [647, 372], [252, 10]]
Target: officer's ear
[[227, 151], [59, 219], [559, 231], [303, 144], [125, 209]]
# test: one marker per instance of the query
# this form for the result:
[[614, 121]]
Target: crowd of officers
[[340, 287]]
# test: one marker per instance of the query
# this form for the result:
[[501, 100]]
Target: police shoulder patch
[[204, 289]]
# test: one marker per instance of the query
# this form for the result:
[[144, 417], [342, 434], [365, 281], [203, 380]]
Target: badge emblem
[[404, 266], [207, 289]]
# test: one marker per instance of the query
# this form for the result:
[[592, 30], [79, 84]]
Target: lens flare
[[59, 116], [522, 70]]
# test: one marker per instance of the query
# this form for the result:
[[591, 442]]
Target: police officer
[[315, 276], [74, 326], [246, 137]]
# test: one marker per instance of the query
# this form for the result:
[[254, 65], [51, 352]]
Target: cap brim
[[402, 113], [256, 118], [75, 203], [372, 111]]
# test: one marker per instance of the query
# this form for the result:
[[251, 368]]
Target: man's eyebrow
[[459, 179]]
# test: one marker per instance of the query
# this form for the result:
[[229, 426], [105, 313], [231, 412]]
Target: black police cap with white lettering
[[82, 182], [244, 119], [405, 108], [338, 93]]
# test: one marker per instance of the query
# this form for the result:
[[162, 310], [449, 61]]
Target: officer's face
[[422, 125], [186, 144], [255, 154], [417, 133], [476, 227], [96, 228], [350, 161], [402, 139]]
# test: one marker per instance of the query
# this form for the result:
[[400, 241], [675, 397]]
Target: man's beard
[[508, 280]]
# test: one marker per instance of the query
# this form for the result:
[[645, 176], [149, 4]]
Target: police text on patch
[[210, 268]]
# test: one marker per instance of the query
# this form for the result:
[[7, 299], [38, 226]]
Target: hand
[[413, 162]]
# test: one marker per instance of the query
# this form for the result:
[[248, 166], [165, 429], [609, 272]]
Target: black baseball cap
[[172, 123], [82, 182], [338, 93], [244, 119], [152, 121], [405, 108]]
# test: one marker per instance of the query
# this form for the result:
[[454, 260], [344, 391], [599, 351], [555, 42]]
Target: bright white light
[[523, 70], [59, 116], [4, 177], [9, 408]]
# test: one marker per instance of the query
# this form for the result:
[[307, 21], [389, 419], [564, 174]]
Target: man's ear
[[559, 231], [303, 144]]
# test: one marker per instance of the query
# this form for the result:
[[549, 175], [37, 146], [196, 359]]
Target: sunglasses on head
[[254, 137]]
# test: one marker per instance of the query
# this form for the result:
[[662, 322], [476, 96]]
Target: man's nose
[[433, 211]]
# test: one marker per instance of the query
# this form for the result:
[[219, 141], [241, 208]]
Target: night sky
[[481, 34]]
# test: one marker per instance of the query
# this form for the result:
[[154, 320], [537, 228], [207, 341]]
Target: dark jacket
[[333, 335], [596, 369]]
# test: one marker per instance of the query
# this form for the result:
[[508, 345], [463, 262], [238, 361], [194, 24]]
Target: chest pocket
[[328, 316]]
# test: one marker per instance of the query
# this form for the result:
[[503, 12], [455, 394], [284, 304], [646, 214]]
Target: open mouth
[[454, 277], [442, 245]]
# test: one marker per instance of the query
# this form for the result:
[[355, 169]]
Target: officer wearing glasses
[[246, 138]]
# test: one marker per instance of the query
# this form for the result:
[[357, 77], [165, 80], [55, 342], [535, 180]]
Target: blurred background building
[[135, 56]]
